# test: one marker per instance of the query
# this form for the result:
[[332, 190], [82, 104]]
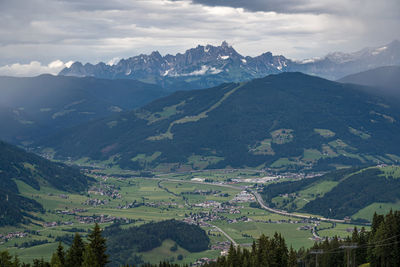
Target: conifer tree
[[89, 258], [58, 258], [16, 262], [74, 257], [5, 259], [40, 263], [292, 259], [97, 243]]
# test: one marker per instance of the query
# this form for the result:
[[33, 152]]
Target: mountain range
[[207, 66], [33, 108], [288, 121]]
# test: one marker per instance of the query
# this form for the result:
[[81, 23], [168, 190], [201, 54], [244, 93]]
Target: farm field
[[134, 200]]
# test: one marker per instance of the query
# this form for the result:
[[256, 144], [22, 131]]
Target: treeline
[[266, 252], [378, 247], [124, 244]]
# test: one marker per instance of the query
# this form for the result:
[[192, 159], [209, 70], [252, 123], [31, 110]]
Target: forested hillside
[[337, 194], [125, 245], [289, 121], [17, 164]]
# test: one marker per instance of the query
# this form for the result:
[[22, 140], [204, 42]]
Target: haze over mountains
[[288, 121], [383, 80], [207, 66], [33, 108]]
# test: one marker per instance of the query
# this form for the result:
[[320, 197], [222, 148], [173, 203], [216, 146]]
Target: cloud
[[34, 68], [341, 7], [93, 31], [281, 6]]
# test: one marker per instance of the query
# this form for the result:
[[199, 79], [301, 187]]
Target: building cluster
[[227, 208], [101, 219], [242, 197], [202, 218], [105, 190], [208, 204], [223, 246], [202, 261], [12, 235], [95, 202], [131, 205]]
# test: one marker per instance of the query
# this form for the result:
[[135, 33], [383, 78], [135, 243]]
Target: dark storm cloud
[[43, 35]]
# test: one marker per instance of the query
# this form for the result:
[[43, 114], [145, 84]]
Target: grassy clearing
[[285, 162], [162, 115], [282, 136], [301, 198], [325, 133], [239, 232], [169, 135], [142, 158], [359, 133], [201, 162], [263, 148], [340, 230], [164, 252], [380, 208], [391, 171], [312, 155], [44, 251]]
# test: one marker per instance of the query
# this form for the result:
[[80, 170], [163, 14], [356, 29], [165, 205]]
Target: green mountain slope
[[17, 164], [285, 121], [339, 193], [31, 108]]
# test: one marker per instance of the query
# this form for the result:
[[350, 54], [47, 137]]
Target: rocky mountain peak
[[209, 65]]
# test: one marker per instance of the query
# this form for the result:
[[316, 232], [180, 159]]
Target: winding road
[[285, 213], [225, 234]]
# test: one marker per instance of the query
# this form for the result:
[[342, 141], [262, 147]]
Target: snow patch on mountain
[[204, 70], [379, 50], [309, 60]]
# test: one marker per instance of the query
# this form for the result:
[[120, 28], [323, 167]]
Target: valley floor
[[222, 202]]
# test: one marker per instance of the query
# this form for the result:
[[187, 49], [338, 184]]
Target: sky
[[44, 36]]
